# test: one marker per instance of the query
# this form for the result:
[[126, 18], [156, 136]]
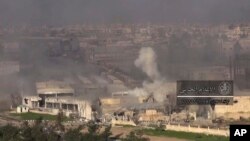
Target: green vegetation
[[184, 135], [38, 132], [44, 131], [55, 131], [35, 116]]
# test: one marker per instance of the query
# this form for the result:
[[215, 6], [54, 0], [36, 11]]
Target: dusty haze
[[63, 12]]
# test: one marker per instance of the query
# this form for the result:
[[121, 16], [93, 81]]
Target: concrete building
[[152, 115], [240, 108], [109, 105], [69, 106], [53, 89], [32, 101], [56, 96], [122, 107], [22, 109]]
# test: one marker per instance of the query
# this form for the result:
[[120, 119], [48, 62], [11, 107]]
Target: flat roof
[[55, 91], [54, 87], [66, 100], [33, 98]]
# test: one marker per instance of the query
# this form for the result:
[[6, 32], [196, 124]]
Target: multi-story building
[[54, 97]]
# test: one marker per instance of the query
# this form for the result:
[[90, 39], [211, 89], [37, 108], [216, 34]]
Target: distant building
[[234, 34], [11, 47]]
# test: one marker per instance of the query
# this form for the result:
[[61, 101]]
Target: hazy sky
[[87, 11]]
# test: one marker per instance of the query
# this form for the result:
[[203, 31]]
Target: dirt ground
[[123, 131]]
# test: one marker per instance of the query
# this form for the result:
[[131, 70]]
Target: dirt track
[[123, 131]]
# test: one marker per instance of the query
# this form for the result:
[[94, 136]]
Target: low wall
[[122, 122], [220, 132]]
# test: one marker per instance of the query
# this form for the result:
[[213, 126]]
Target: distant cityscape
[[123, 74]]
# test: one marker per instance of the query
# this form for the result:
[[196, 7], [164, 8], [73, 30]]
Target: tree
[[93, 132], [38, 132], [9, 133], [73, 135], [106, 133], [41, 131], [52, 136], [26, 132], [59, 126]]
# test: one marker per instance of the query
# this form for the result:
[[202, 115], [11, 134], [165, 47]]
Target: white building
[[31, 101], [69, 105], [54, 97], [22, 109], [53, 89], [234, 33]]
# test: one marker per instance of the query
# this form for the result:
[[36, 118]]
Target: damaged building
[[124, 108], [56, 96], [53, 89]]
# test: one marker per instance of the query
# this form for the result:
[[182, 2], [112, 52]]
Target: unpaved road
[[123, 131]]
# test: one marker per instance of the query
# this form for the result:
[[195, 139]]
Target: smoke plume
[[147, 62], [158, 86]]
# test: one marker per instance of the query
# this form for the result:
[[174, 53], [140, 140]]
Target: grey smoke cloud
[[147, 62], [158, 86]]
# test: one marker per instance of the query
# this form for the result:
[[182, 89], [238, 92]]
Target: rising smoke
[[158, 85], [147, 62]]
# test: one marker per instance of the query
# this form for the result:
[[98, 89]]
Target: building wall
[[241, 105], [152, 115], [110, 101], [221, 132], [31, 101], [85, 110], [54, 87], [22, 109], [83, 107], [122, 122]]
